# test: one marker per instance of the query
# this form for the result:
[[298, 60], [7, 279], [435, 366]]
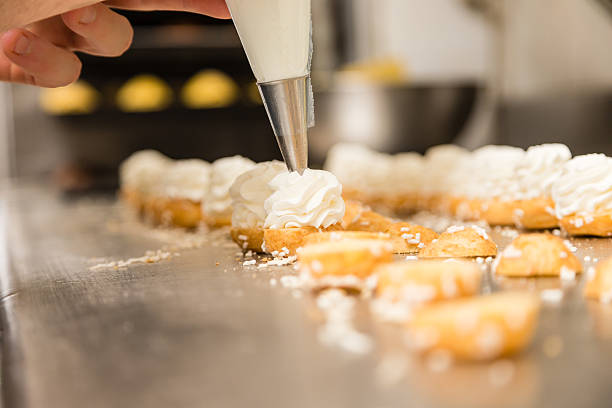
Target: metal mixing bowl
[[393, 118]]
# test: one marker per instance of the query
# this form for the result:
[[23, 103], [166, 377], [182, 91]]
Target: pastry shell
[[533, 255], [479, 328]]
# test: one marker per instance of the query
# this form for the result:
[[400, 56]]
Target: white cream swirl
[[313, 199], [186, 179], [217, 201], [406, 174], [360, 168], [540, 168], [143, 170], [441, 162], [249, 193], [491, 173], [585, 186]]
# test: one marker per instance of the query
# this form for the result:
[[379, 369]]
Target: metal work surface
[[202, 330]]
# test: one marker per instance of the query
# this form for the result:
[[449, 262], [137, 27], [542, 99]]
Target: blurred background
[[397, 75]]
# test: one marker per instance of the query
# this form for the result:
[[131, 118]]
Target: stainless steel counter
[[202, 330]]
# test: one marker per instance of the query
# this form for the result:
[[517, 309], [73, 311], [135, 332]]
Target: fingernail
[[88, 15], [23, 46]]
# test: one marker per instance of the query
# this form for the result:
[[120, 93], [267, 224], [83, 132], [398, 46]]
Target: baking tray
[[201, 329]]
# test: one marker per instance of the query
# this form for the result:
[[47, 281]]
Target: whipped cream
[[313, 199], [186, 179], [359, 167], [540, 168], [217, 202], [491, 173], [406, 173], [143, 170], [584, 187], [440, 165], [250, 191]]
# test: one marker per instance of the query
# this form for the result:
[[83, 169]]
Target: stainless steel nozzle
[[287, 106]]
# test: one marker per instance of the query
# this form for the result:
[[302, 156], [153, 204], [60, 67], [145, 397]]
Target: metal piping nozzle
[[287, 106]]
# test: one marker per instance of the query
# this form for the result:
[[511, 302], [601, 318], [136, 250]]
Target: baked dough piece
[[599, 282], [218, 220], [413, 237], [351, 257], [371, 222], [248, 238], [481, 328], [598, 225], [176, 212], [286, 241], [398, 244], [352, 212], [427, 281], [498, 212], [536, 213], [460, 242], [537, 255]]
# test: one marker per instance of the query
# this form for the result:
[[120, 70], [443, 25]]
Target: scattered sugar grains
[[338, 329], [148, 258]]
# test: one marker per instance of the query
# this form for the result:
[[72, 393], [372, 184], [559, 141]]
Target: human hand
[[42, 53]]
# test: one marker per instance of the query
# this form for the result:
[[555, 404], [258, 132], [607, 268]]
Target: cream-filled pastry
[[249, 193], [491, 186], [583, 196], [536, 173], [440, 166], [300, 205], [139, 176], [217, 204], [178, 198], [363, 172]]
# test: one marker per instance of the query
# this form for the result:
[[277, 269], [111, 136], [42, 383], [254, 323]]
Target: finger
[[36, 61], [100, 31], [213, 8]]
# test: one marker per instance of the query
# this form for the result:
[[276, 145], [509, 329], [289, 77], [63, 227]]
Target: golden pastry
[[356, 258], [537, 255], [583, 196], [286, 241], [536, 213], [597, 224], [209, 89], [427, 281], [248, 238], [371, 222], [144, 93], [79, 98], [480, 328], [353, 212], [460, 242], [414, 237]]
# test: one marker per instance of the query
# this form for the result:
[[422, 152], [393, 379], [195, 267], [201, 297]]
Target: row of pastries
[[542, 187], [340, 243], [319, 219]]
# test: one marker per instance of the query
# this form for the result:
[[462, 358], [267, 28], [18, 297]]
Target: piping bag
[[277, 38]]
